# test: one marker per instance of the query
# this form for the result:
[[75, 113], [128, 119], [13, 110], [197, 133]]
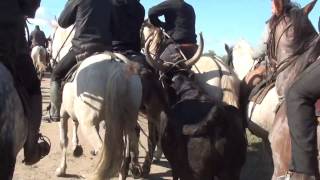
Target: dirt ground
[[257, 167]]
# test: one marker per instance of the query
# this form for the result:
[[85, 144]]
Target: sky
[[220, 21]]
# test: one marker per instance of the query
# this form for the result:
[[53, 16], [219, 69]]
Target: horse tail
[[123, 99]]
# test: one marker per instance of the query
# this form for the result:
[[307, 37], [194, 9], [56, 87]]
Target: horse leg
[[152, 141], [61, 170], [76, 147], [92, 135], [8, 159], [280, 144], [158, 152], [126, 161], [134, 152]]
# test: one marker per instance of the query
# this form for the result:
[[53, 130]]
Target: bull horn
[[122, 57], [153, 63], [190, 62]]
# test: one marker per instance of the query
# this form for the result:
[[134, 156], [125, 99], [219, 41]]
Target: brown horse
[[293, 47]]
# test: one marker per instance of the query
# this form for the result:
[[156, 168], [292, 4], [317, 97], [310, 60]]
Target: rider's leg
[[59, 72], [301, 98], [33, 148]]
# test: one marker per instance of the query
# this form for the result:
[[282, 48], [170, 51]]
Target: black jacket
[[12, 23], [179, 20], [92, 19], [12, 11], [38, 38], [127, 18]]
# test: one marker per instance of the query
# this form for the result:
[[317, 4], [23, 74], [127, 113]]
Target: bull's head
[[163, 67]]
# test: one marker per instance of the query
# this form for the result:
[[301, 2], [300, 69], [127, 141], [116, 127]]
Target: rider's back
[[127, 18], [179, 20], [92, 20]]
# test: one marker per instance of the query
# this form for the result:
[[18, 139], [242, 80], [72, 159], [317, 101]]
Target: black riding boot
[[55, 99], [35, 147]]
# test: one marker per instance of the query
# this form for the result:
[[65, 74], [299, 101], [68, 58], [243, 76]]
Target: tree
[[210, 53]]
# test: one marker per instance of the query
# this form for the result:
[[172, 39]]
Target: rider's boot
[[55, 99], [35, 147]]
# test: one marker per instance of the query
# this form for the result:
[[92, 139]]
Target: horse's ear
[[278, 4], [308, 8], [227, 48]]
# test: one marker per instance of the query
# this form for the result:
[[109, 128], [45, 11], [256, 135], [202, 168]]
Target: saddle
[[259, 92], [73, 71]]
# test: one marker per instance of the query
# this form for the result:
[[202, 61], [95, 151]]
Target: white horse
[[39, 58], [103, 89], [14, 125], [260, 117]]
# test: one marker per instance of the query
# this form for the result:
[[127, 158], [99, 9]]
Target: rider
[[300, 99], [179, 24], [92, 19], [127, 19], [38, 38], [14, 54]]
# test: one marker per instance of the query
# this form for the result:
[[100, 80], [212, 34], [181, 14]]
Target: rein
[[55, 59]]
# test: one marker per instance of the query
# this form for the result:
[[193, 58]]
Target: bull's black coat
[[200, 138]]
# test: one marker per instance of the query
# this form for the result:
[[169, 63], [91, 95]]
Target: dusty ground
[[257, 167]]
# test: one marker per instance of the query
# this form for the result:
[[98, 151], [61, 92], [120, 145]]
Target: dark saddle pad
[[260, 91], [72, 73]]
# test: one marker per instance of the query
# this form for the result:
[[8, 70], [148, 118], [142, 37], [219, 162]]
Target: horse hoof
[[157, 156], [60, 172], [145, 169], [136, 171], [94, 152], [78, 151]]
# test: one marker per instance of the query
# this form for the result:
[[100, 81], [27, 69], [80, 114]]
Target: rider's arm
[[68, 15], [157, 11], [29, 7]]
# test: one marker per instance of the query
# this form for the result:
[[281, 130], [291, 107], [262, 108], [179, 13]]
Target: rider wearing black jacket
[[38, 38], [14, 53], [92, 19], [179, 25], [179, 20], [127, 18]]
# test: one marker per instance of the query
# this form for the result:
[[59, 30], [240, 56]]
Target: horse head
[[292, 43], [241, 57]]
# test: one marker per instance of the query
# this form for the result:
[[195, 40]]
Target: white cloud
[[41, 12], [39, 21]]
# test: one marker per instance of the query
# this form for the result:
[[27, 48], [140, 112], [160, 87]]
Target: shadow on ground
[[258, 165]]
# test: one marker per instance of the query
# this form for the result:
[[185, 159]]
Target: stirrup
[[44, 145]]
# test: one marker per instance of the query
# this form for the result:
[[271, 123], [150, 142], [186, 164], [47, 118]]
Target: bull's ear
[[308, 8]]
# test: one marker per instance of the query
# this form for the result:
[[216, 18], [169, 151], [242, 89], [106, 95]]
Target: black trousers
[[63, 67], [301, 98]]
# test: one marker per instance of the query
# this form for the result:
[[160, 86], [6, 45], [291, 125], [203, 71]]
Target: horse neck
[[60, 39]]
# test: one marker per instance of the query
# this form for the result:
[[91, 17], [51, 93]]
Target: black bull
[[201, 139]]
